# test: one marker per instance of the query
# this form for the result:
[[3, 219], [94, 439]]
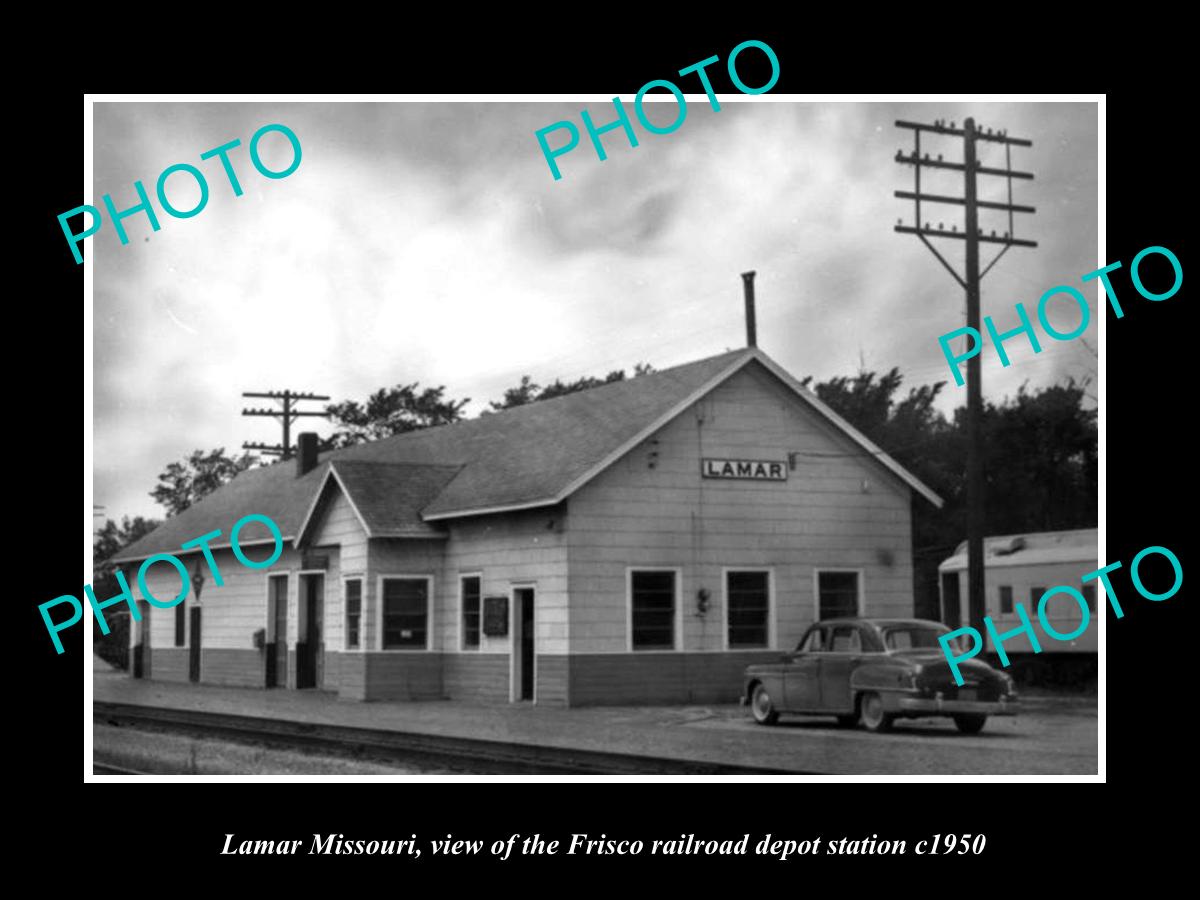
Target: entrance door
[[310, 650], [277, 644], [523, 652], [141, 648], [194, 647], [951, 601]]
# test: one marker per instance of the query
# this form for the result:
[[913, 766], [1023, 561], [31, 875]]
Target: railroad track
[[474, 755]]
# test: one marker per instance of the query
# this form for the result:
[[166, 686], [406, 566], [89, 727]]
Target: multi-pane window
[[353, 612], [837, 594], [652, 604], [1006, 598], [748, 595], [405, 613], [470, 592]]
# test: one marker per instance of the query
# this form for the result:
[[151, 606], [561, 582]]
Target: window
[[845, 639], [1035, 594], [1089, 594], [815, 642], [181, 623], [652, 608], [1006, 600], [405, 613], [748, 598], [469, 592], [837, 594], [353, 592]]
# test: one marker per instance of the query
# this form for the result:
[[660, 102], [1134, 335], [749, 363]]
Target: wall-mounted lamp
[[702, 596], [866, 486], [197, 582], [792, 456]]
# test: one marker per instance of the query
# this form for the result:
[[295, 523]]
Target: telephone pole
[[973, 235], [287, 414]]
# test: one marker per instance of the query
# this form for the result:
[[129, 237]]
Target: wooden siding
[[339, 534], [232, 611], [552, 678], [170, 663], [527, 548], [481, 677], [652, 508], [238, 668], [352, 673], [660, 678], [403, 676]]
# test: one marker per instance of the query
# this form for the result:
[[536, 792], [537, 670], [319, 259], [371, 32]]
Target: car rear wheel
[[762, 707], [873, 716], [970, 723]]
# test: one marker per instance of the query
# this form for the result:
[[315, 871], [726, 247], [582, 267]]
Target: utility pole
[[973, 235], [286, 415]]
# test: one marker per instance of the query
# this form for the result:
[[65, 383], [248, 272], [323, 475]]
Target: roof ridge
[[524, 408]]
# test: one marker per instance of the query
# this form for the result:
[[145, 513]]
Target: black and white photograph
[[474, 437]]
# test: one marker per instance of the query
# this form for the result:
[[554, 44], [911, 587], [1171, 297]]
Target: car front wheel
[[970, 723], [873, 716], [764, 710]]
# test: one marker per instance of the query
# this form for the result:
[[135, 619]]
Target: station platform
[[1048, 738]]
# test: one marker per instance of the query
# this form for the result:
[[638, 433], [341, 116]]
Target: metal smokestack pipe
[[751, 329]]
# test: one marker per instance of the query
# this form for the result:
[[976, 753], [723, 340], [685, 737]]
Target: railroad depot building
[[639, 542]]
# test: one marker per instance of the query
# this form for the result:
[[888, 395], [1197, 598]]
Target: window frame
[[429, 621], [676, 620], [462, 631], [1035, 597], [269, 636], [726, 571], [362, 613], [862, 589], [1000, 588]]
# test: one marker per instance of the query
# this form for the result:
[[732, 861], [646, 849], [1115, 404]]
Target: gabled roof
[[387, 498], [530, 456], [1032, 548]]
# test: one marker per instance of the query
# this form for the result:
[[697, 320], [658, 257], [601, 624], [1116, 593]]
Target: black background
[[1150, 696]]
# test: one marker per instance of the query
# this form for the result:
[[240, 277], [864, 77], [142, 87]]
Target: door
[[841, 657], [276, 674], [194, 646], [523, 646], [310, 650], [141, 648], [802, 675], [951, 600]]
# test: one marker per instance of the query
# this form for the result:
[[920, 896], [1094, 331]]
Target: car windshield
[[915, 637]]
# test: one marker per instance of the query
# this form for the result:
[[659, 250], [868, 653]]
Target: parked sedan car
[[876, 671]]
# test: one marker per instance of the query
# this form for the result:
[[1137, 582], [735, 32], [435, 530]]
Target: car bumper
[[934, 706]]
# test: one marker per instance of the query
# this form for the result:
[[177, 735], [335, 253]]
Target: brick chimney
[[306, 452]]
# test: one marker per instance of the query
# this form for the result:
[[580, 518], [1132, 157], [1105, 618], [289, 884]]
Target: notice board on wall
[[495, 616]]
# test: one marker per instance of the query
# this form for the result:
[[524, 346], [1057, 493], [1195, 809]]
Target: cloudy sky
[[429, 242]]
